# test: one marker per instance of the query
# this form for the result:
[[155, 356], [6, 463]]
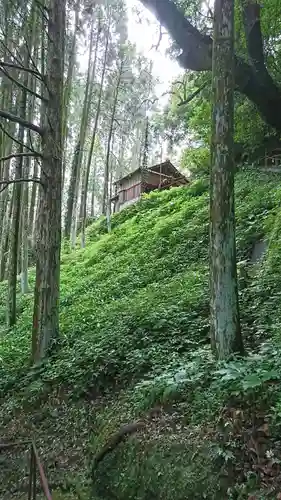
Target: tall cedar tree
[[46, 300], [225, 324]]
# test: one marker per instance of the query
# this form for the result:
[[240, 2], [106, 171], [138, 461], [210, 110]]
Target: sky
[[145, 35]]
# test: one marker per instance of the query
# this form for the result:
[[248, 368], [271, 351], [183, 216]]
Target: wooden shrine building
[[129, 189]]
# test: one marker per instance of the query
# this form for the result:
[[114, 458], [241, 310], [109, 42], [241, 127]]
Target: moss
[[168, 466]]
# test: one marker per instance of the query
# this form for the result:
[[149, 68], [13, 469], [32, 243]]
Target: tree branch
[[14, 139], [193, 95], [20, 68], [254, 40], [42, 6], [24, 123], [197, 55], [252, 27], [20, 85], [156, 47], [32, 147], [16, 181], [19, 155], [31, 58], [6, 49], [196, 47]]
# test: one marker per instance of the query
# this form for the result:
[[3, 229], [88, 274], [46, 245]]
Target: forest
[[140, 249]]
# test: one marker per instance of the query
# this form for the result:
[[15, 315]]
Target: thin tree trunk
[[5, 236], [70, 218], [68, 87], [14, 247], [93, 193], [36, 193], [86, 170], [16, 219], [88, 167], [105, 199], [144, 163], [225, 322], [83, 137], [35, 218], [24, 230], [6, 103], [121, 153], [108, 209], [33, 195], [7, 146]]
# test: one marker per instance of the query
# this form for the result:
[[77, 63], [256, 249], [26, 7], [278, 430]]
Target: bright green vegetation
[[134, 322]]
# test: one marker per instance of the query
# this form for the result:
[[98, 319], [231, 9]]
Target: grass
[[135, 335]]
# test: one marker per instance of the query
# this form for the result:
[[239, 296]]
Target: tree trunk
[[88, 167], [6, 103], [36, 192], [24, 230], [14, 247], [33, 189], [93, 194], [32, 204], [16, 217], [105, 199], [46, 296], [68, 87], [144, 163], [5, 236], [225, 322], [70, 218]]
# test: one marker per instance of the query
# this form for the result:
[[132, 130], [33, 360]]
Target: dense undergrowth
[[135, 336]]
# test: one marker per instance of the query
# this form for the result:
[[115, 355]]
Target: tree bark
[[24, 230], [6, 144], [196, 55], [70, 218], [85, 180], [13, 248], [68, 86], [93, 194], [89, 161], [46, 294], [5, 230], [225, 323], [16, 217], [105, 199], [32, 204]]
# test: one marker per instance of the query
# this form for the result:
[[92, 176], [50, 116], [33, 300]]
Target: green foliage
[[194, 118], [138, 296], [253, 373], [197, 160], [159, 469], [179, 381], [135, 323]]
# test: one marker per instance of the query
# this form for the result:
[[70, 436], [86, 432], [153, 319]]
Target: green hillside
[[135, 337]]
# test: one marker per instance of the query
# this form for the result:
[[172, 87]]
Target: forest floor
[[135, 346]]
